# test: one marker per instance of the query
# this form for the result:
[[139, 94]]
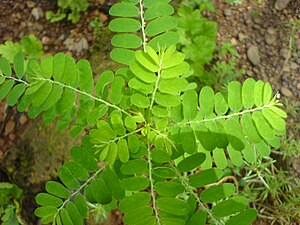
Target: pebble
[[227, 12], [281, 4], [284, 52], [30, 4], [23, 119], [9, 127], [271, 31], [37, 13], [298, 86], [242, 37], [46, 40], [286, 92], [12, 136], [270, 39], [234, 41], [294, 66], [253, 55], [257, 20]]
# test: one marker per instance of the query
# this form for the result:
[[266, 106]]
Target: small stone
[[30, 4], [271, 31], [103, 17], [46, 40], [12, 136], [227, 12], [256, 26], [298, 86], [294, 66], [257, 20], [37, 13], [234, 41], [62, 37], [281, 4], [9, 127], [253, 55], [286, 92], [23, 119], [284, 52], [242, 37], [270, 39]]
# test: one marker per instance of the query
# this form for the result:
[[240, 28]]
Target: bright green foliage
[[10, 195], [157, 137], [197, 38], [75, 6], [152, 18], [29, 45]]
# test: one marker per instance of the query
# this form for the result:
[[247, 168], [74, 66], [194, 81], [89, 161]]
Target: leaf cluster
[[69, 9], [10, 194], [29, 45]]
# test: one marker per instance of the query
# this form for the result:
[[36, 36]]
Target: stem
[[15, 79], [152, 186], [156, 82], [78, 190], [84, 93], [143, 23], [226, 116], [118, 138], [190, 190]]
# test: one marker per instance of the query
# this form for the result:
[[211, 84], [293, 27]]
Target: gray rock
[[281, 4], [294, 66], [37, 13], [242, 37], [286, 92], [253, 55], [227, 12], [284, 52], [77, 46], [257, 20], [270, 39], [271, 31], [30, 4]]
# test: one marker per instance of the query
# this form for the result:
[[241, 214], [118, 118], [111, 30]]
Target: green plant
[[198, 41], [157, 147], [274, 193], [29, 45], [97, 25], [69, 9], [10, 194]]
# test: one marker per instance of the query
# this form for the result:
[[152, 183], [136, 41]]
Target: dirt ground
[[261, 33]]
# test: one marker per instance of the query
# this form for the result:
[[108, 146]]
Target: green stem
[[15, 79], [118, 138], [143, 23], [84, 93], [226, 116], [156, 82], [152, 186], [78, 190], [190, 190]]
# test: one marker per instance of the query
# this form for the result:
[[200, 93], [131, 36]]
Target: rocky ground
[[265, 35], [267, 38]]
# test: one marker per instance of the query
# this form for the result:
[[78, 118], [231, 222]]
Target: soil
[[31, 152]]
